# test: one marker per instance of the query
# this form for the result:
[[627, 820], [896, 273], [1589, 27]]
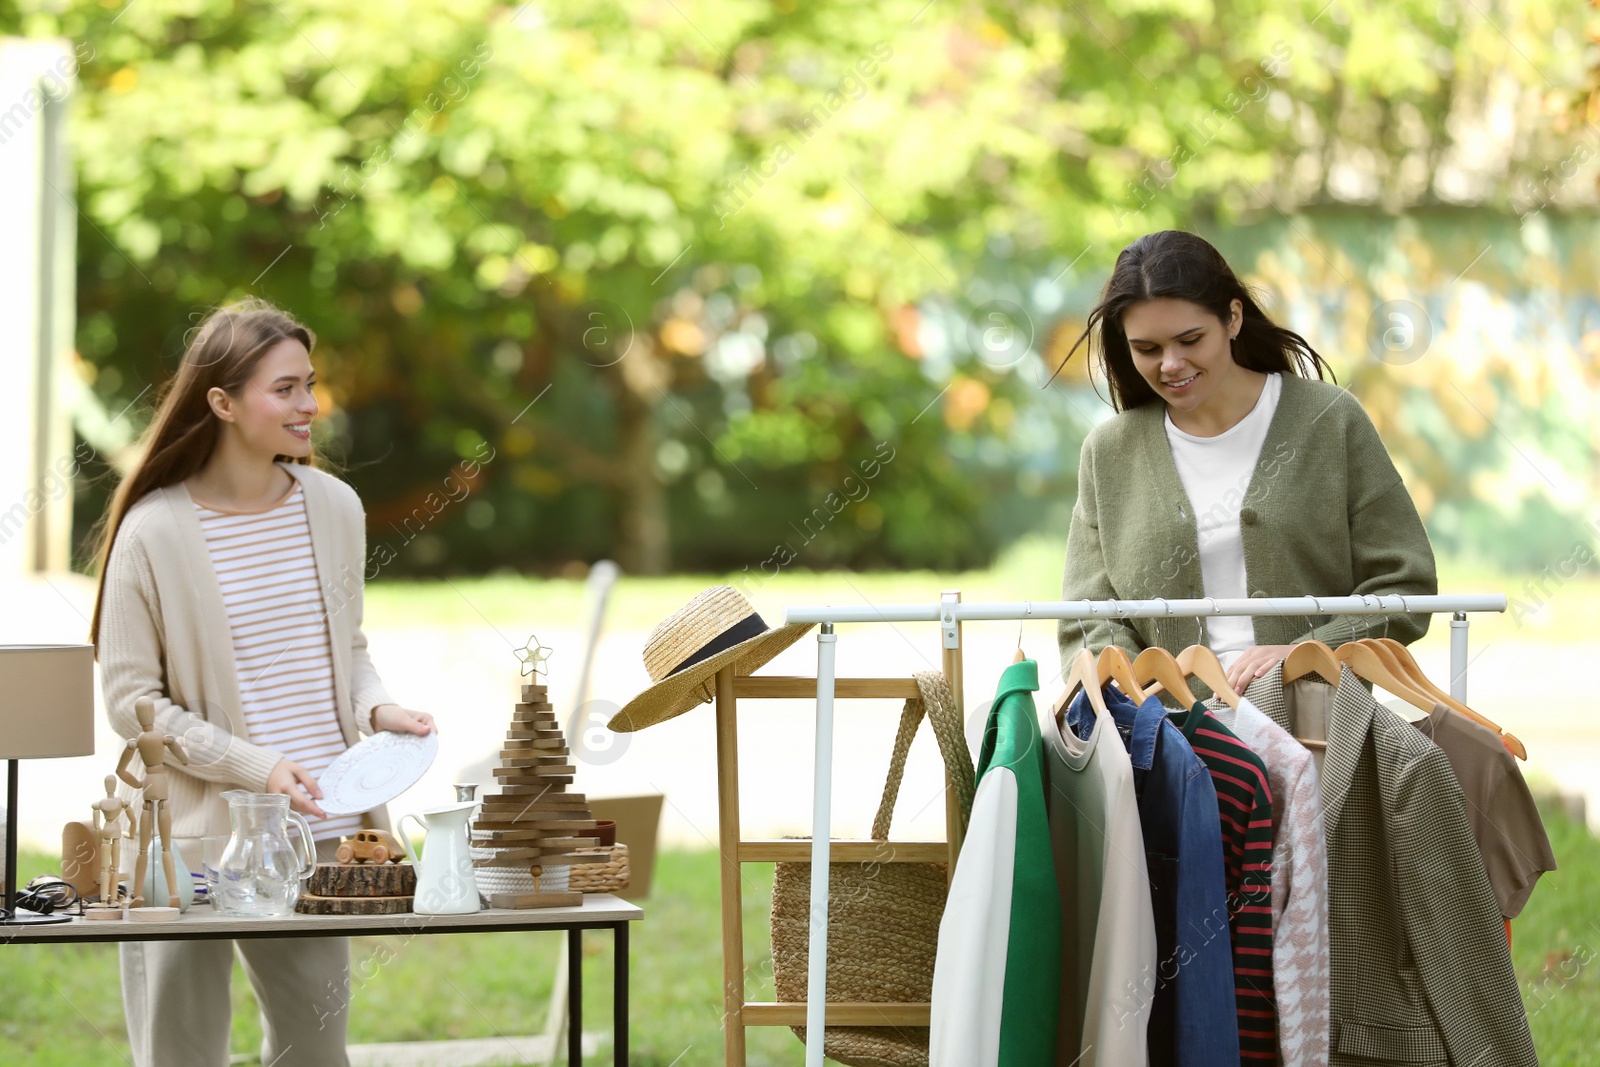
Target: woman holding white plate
[[231, 575]]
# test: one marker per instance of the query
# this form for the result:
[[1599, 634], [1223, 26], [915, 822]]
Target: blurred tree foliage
[[688, 271]]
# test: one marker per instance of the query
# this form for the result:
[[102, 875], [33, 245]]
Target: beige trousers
[[177, 1001]]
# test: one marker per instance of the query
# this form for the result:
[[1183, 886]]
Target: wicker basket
[[883, 917], [608, 877]]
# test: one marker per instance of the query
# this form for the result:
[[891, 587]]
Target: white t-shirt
[[1216, 473]]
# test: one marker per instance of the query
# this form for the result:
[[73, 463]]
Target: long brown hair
[[222, 353], [1185, 266]]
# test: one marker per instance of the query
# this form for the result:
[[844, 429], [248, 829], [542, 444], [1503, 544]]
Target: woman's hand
[[401, 720], [1253, 663], [295, 782]]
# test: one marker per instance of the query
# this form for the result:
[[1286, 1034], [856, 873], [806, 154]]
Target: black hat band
[[743, 630]]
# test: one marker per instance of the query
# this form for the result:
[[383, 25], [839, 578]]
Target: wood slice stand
[[311, 904], [358, 889], [362, 880]]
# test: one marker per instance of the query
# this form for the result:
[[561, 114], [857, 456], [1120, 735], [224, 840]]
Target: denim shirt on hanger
[[1193, 1020]]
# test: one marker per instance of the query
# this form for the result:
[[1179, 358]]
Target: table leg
[[574, 998], [619, 994]]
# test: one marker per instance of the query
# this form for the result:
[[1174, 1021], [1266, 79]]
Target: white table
[[599, 911]]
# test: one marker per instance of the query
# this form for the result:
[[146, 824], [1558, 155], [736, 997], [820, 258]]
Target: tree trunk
[[645, 544]]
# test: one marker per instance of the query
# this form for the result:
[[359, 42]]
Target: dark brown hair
[[1183, 266], [222, 353]]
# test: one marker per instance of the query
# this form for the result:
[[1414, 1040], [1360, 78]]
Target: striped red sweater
[[1244, 803]]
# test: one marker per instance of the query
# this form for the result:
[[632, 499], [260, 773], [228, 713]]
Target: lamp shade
[[46, 701]]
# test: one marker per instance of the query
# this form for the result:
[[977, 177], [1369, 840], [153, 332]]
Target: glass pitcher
[[260, 870]]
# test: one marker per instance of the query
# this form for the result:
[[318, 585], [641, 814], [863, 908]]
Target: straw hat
[[686, 650]]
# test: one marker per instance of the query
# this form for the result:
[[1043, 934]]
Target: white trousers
[[177, 1002]]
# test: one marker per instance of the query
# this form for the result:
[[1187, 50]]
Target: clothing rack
[[950, 613]]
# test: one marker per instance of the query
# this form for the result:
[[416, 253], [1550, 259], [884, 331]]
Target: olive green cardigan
[[1324, 513]]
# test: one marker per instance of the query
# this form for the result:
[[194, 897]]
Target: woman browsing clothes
[[1231, 469], [217, 558]]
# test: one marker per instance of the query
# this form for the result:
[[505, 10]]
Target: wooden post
[[732, 900], [955, 828], [37, 304]]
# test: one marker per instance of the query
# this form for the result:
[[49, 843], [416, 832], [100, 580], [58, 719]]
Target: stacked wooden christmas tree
[[532, 823]]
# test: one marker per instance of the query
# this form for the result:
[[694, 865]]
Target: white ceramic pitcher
[[446, 884]]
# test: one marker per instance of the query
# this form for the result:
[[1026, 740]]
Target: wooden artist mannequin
[[109, 812], [152, 746]]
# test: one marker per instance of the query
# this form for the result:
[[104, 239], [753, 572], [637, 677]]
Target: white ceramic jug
[[446, 884]]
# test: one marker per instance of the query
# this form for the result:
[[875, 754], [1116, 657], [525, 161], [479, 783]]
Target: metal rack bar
[[1458, 656], [821, 801], [950, 613], [1142, 609]]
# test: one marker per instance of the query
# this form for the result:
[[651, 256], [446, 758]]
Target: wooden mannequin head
[[145, 709]]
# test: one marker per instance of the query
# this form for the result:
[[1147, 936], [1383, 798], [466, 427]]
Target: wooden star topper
[[532, 656]]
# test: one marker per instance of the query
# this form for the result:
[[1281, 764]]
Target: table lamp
[[46, 711]]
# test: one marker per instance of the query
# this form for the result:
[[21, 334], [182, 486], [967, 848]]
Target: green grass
[[1555, 945], [1029, 570], [62, 1007]]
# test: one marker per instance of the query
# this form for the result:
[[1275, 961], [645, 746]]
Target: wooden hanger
[[1083, 674], [1399, 657], [1303, 659], [1156, 664], [1203, 663], [1310, 656], [1369, 665], [1114, 666], [1405, 666]]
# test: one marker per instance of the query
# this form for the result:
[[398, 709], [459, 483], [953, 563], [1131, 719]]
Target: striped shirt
[[279, 627], [1244, 804], [1299, 884]]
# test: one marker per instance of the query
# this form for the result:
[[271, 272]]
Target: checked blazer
[[1420, 970]]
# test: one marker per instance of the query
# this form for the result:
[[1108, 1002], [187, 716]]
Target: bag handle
[[939, 703]]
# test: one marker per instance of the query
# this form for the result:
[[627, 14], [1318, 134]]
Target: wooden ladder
[[737, 1014]]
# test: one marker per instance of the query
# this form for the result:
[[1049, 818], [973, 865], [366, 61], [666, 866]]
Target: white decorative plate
[[375, 771]]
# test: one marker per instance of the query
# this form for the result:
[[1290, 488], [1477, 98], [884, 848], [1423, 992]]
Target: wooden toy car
[[370, 846]]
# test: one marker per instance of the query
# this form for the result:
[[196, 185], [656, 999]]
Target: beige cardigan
[[164, 634]]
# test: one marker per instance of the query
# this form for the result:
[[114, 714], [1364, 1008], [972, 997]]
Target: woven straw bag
[[883, 918]]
